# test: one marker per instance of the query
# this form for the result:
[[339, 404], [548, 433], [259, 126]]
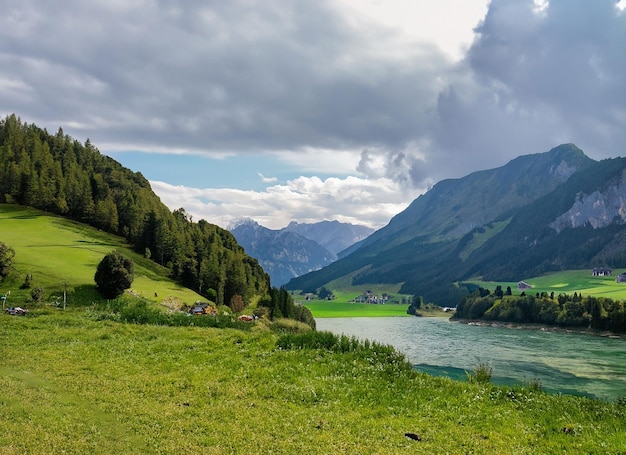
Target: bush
[[284, 325], [114, 274], [481, 374], [6, 260], [37, 294]]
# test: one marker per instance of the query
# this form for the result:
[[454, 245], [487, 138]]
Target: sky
[[299, 110]]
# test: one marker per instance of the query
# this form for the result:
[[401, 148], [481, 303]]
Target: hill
[[62, 256], [501, 224], [60, 175]]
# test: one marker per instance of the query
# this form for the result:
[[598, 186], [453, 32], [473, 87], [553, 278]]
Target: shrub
[[481, 375], [36, 294], [114, 274]]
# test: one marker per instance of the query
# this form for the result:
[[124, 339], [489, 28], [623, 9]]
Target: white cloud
[[307, 199], [267, 179]]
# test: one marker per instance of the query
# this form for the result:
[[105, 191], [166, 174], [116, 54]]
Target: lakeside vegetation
[[565, 310]]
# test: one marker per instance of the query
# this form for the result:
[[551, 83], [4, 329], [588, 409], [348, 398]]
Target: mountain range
[[297, 248], [538, 213]]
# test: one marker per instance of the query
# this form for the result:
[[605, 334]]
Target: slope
[[62, 255], [425, 246]]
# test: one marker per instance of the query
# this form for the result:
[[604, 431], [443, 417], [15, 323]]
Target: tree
[[325, 294], [114, 274], [6, 260]]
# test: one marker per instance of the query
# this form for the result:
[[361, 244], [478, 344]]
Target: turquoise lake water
[[563, 362]]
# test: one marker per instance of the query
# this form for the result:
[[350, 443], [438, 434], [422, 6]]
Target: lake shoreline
[[540, 327]]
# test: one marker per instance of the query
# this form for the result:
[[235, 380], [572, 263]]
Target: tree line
[[599, 313], [58, 174]]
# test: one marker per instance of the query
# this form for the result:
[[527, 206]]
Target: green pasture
[[333, 309], [70, 383], [63, 255], [567, 282]]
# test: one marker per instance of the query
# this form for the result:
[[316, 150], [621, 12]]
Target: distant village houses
[[621, 278], [523, 285], [369, 297], [601, 271]]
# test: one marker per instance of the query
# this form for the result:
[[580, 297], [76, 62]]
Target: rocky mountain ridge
[[298, 248]]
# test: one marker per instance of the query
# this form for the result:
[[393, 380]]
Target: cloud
[[217, 77], [308, 199], [325, 88], [536, 77], [267, 179]]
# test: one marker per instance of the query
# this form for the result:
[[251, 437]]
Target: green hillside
[[60, 175], [568, 282], [63, 254], [490, 224]]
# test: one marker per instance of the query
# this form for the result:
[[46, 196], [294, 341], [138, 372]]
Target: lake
[[563, 362]]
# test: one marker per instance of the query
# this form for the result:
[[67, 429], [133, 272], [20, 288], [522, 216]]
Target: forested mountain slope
[[508, 223], [58, 174]]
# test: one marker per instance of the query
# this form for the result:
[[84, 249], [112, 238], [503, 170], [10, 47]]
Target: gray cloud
[[534, 79], [218, 76], [278, 77]]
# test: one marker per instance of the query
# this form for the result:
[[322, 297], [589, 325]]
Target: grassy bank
[[71, 384]]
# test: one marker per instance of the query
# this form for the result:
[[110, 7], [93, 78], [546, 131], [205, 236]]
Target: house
[[523, 285], [601, 271], [200, 308], [621, 278]]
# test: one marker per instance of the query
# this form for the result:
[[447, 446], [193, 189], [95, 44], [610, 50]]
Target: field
[[568, 282], [72, 382], [63, 255], [333, 309]]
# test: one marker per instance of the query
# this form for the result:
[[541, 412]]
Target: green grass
[[568, 282], [71, 384], [332, 309], [61, 254], [74, 382]]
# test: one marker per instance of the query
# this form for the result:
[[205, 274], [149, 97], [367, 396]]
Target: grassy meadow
[[74, 382], [337, 309], [63, 255], [568, 282]]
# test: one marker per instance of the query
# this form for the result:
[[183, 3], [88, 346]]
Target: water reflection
[[570, 363]]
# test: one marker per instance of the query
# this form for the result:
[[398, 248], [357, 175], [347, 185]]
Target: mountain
[[298, 248], [282, 254], [332, 235], [538, 213]]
